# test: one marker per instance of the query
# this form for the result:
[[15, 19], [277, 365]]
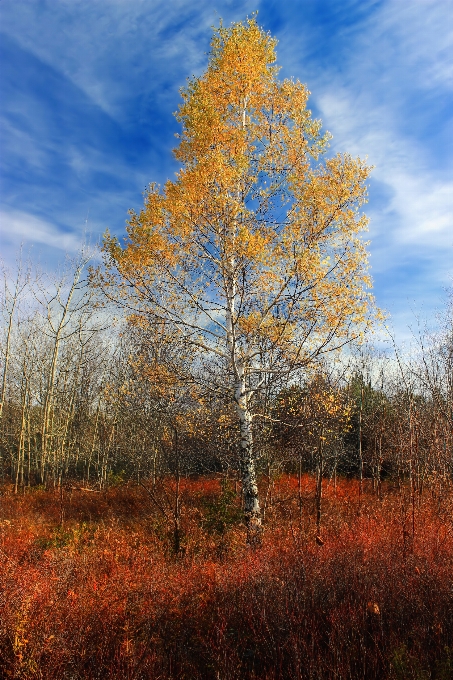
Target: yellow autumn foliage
[[255, 249]]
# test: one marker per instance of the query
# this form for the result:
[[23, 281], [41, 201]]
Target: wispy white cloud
[[380, 73], [421, 200], [380, 97], [421, 33], [20, 227], [110, 48]]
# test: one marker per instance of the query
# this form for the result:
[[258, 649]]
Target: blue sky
[[88, 87]]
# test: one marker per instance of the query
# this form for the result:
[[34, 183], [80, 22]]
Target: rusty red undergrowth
[[101, 595]]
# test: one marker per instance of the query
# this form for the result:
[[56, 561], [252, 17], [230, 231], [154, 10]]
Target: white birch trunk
[[252, 510]]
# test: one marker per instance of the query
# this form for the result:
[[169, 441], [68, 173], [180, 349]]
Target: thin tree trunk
[[21, 447], [268, 494], [18, 288], [93, 443], [411, 468], [58, 337], [20, 450], [360, 445], [319, 486], [64, 448], [300, 487], [177, 507], [379, 480], [29, 447], [47, 410]]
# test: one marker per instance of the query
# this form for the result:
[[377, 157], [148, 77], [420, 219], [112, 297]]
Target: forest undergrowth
[[91, 586]]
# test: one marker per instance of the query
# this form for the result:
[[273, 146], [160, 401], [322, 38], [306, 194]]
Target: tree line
[[92, 400]]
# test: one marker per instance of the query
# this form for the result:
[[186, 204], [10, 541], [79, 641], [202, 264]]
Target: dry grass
[[102, 596]]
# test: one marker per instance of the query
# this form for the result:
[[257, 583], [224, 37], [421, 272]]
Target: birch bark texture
[[253, 256]]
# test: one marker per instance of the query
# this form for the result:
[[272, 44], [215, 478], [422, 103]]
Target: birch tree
[[68, 322], [9, 300], [253, 254]]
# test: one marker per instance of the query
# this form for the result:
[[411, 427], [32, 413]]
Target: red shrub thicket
[[101, 595]]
